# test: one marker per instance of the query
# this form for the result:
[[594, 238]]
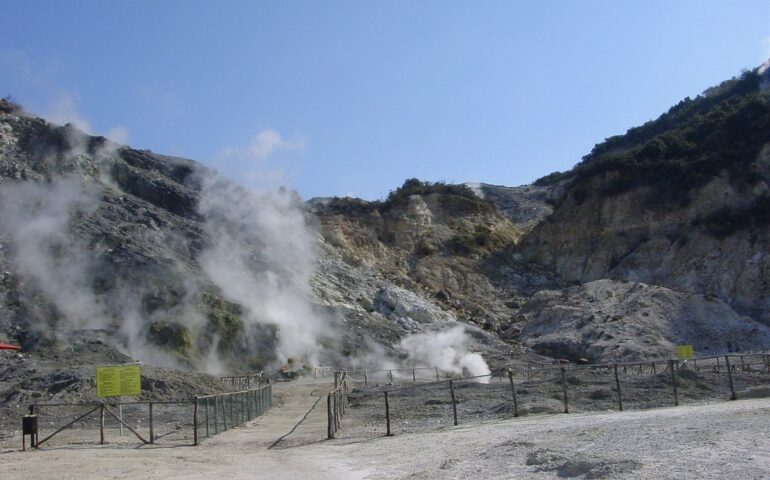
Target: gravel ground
[[714, 441]]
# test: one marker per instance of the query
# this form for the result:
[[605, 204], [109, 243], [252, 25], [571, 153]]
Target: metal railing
[[221, 412], [179, 422], [244, 382]]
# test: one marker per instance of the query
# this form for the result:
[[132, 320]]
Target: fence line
[[232, 408], [103, 407], [244, 382], [337, 403], [619, 386], [209, 413]]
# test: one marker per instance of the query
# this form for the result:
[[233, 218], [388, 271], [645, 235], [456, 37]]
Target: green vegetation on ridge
[[722, 130]]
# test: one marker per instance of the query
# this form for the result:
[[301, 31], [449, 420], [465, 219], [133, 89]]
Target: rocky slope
[[658, 237], [681, 202], [183, 268]]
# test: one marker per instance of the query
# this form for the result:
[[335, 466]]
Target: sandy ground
[[723, 440]]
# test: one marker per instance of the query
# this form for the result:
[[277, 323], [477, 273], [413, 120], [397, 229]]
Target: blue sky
[[353, 97]]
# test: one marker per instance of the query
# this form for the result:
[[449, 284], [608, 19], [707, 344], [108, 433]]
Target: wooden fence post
[[152, 426], [207, 417], [733, 396], [672, 369], [330, 428], [513, 392], [366, 380], [195, 421], [387, 415], [437, 374], [216, 415], [564, 388], [617, 385], [101, 424], [454, 403]]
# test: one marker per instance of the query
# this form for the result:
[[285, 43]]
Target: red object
[[5, 346]]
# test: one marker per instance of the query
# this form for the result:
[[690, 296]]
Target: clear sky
[[353, 97]]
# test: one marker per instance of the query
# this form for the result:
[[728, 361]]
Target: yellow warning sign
[[118, 381], [684, 351]]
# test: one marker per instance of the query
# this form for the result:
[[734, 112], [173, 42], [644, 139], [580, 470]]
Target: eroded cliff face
[[620, 238], [441, 246], [608, 320]]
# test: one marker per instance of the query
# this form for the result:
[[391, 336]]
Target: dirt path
[[262, 447]]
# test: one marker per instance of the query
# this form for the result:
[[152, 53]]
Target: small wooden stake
[[387, 415], [454, 404], [216, 416], [152, 432], [733, 396], [195, 421], [513, 392], [672, 369], [101, 424], [617, 385], [564, 388]]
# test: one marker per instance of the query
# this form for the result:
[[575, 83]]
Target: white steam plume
[[261, 256], [446, 351], [35, 219]]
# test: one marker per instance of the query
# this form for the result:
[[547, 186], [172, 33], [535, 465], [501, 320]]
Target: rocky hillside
[[658, 237], [180, 267], [682, 201]]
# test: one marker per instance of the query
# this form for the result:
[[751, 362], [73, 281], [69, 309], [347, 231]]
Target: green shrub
[[723, 130], [8, 106]]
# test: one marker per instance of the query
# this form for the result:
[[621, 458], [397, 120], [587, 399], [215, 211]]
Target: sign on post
[[118, 381], [684, 351]]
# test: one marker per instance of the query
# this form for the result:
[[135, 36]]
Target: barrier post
[[454, 404], [564, 388], [101, 424], [733, 396], [195, 421], [617, 385], [387, 415], [672, 369], [513, 392], [152, 427]]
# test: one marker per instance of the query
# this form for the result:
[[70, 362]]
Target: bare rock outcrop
[[607, 320]]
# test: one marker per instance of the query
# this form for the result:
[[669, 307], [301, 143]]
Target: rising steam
[[262, 256], [35, 219], [446, 351]]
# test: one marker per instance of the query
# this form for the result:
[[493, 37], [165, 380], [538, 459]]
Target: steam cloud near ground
[[446, 351]]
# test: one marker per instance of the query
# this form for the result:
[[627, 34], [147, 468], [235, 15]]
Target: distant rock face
[[407, 307], [526, 206], [605, 320], [619, 237]]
